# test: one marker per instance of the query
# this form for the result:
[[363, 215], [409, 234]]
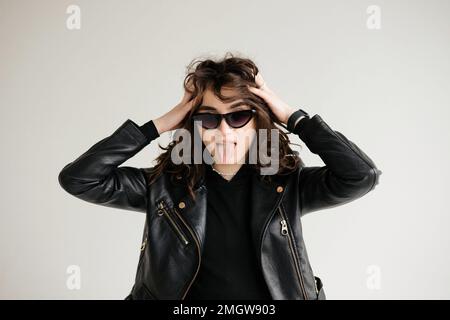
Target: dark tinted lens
[[209, 121], [239, 118]]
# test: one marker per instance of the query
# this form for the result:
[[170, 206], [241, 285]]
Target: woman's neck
[[227, 171]]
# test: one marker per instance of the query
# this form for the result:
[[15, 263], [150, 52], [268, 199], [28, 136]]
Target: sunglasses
[[236, 119]]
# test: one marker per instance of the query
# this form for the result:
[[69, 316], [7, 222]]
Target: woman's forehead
[[211, 102]]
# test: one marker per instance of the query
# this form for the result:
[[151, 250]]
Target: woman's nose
[[224, 127]]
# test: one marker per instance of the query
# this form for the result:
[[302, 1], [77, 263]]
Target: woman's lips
[[226, 143], [225, 150]]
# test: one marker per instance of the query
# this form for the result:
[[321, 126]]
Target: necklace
[[223, 174]]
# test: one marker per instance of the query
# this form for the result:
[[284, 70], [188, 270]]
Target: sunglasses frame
[[226, 116]]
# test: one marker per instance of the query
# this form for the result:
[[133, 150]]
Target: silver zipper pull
[[284, 229], [160, 208]]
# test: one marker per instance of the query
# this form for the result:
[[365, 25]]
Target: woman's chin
[[227, 160]]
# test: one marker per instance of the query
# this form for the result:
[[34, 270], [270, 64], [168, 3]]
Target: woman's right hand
[[172, 119]]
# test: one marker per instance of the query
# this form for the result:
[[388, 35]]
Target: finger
[[187, 96], [190, 84], [263, 94], [188, 105], [259, 80]]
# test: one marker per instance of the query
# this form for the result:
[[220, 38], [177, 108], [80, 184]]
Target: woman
[[223, 223]]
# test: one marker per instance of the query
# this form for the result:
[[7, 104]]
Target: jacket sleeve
[[97, 177], [348, 173]]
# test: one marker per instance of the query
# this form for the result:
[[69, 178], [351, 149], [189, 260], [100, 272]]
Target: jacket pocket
[[320, 293], [172, 218]]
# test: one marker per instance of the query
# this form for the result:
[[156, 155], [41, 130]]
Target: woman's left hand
[[281, 109]]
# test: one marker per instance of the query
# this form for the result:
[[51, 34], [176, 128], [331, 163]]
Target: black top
[[229, 268]]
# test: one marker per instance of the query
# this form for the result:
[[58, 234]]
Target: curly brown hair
[[234, 72]]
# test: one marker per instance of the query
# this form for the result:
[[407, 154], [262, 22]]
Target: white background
[[387, 90]]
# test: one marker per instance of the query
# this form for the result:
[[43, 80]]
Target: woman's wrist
[[159, 124], [289, 114]]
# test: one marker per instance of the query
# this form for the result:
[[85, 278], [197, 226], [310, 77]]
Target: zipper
[[163, 207], [141, 255], [144, 243], [285, 232], [315, 286], [197, 242], [163, 210]]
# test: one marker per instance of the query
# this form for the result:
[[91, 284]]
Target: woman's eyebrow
[[234, 105]]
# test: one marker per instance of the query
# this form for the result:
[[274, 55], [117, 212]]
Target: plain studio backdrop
[[378, 72]]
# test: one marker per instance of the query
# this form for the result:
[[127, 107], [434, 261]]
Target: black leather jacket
[[171, 251]]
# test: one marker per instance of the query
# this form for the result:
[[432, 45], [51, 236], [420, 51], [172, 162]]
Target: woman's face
[[227, 145]]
